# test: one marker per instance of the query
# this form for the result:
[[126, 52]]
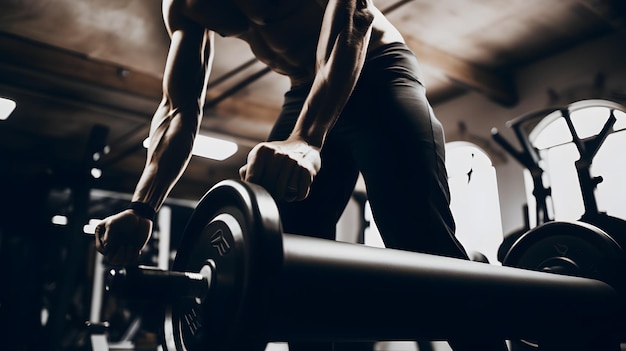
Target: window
[[474, 198], [474, 201], [558, 152]]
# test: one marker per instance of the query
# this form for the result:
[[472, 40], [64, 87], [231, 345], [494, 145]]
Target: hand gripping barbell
[[238, 282]]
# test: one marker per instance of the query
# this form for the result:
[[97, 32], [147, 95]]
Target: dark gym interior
[[85, 79]]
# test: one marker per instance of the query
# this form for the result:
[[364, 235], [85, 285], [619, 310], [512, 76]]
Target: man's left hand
[[285, 168]]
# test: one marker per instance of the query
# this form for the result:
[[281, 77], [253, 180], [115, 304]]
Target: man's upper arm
[[189, 58], [359, 3], [351, 19]]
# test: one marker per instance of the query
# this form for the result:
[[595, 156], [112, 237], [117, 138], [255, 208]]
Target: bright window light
[[209, 147], [558, 153], [474, 198], [6, 107]]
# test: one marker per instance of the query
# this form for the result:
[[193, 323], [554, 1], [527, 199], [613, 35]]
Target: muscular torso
[[281, 33]]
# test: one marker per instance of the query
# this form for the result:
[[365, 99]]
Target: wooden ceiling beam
[[497, 86], [44, 58], [40, 57]]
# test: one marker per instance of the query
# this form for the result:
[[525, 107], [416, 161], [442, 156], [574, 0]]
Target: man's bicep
[[187, 66], [356, 4], [189, 58], [346, 22]]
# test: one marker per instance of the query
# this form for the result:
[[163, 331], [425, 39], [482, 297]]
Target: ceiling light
[[96, 173], [6, 107], [59, 220], [209, 147]]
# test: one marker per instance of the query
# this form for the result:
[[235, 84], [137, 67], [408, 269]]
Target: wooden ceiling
[[74, 67]]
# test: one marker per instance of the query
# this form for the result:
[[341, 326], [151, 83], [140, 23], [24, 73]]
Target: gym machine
[[572, 248]]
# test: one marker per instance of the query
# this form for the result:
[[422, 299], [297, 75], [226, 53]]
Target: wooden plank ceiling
[[72, 65]]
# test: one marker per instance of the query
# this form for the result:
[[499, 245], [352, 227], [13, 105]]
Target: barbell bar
[[239, 282]]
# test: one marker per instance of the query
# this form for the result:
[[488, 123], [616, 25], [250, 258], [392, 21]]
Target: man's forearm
[[176, 121], [171, 142]]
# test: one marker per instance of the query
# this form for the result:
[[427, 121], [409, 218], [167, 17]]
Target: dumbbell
[[238, 282]]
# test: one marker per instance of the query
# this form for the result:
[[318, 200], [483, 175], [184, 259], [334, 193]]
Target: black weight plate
[[573, 248], [235, 230], [615, 227]]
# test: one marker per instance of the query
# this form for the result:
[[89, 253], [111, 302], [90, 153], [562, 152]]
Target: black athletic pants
[[388, 132]]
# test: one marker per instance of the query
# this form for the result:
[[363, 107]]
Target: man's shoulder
[[224, 17]]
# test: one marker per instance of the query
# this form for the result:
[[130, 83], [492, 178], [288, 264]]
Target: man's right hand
[[121, 237]]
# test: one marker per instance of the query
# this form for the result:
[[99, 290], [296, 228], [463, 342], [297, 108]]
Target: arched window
[[559, 152], [474, 198]]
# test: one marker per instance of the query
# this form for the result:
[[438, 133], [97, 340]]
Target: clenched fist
[[284, 168]]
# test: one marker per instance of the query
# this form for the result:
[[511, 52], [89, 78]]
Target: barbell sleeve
[[151, 283]]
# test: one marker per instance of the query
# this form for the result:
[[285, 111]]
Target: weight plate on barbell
[[570, 248], [235, 233]]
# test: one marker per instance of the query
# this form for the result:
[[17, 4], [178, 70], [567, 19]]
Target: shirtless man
[[357, 104]]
